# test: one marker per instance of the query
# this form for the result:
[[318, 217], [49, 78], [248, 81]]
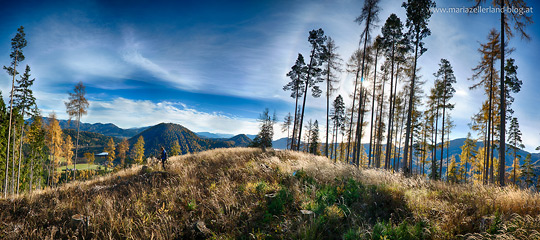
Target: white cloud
[[127, 113]]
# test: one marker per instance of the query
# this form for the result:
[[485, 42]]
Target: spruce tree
[[17, 44], [24, 101], [266, 134]]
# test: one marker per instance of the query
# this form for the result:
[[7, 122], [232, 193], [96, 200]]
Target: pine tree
[[314, 139], [285, 127], [266, 134], [296, 85], [110, 149], [17, 44], [122, 149], [317, 40], [331, 67], [514, 136], [446, 78], [137, 152], [527, 172], [369, 17], [418, 14], [338, 117], [76, 107], [392, 38]]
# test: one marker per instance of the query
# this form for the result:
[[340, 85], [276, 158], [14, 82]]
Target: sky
[[215, 65]]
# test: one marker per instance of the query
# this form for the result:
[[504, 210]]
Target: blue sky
[[215, 65]]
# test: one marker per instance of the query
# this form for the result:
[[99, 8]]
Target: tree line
[[32, 150], [409, 130]]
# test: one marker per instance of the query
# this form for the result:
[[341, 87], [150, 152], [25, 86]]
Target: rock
[[306, 212]]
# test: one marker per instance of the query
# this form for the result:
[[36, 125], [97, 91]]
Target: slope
[[244, 193]]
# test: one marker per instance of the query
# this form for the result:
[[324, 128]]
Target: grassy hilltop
[[243, 193]]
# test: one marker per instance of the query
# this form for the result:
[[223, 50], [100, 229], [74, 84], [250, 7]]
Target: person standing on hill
[[163, 157]]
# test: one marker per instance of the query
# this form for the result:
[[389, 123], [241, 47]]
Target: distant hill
[[241, 140], [89, 141], [221, 135], [213, 135], [165, 134], [107, 129]]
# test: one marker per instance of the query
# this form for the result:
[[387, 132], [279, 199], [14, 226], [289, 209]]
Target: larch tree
[[176, 149], [369, 17], [122, 149], [110, 149], [36, 137], [90, 158], [486, 75], [377, 45], [286, 127], [317, 40], [24, 101], [296, 86], [520, 21], [137, 152], [331, 66], [76, 107], [418, 14], [67, 150], [17, 44], [468, 153], [54, 143]]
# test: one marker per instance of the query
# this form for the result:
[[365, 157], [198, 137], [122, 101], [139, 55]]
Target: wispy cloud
[[136, 113]]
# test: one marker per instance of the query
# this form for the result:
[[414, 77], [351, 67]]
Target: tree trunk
[[20, 152], [406, 169], [372, 109], [502, 130], [10, 121], [305, 95]]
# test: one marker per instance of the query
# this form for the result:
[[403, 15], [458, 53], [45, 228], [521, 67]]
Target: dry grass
[[245, 193]]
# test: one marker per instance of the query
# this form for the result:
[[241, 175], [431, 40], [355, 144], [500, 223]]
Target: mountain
[[213, 135], [89, 141], [240, 140], [165, 134], [107, 129]]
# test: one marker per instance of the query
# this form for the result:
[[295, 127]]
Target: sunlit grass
[[243, 192]]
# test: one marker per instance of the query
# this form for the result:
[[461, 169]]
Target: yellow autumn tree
[[89, 158], [111, 154], [137, 152], [67, 151], [123, 148], [54, 142]]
